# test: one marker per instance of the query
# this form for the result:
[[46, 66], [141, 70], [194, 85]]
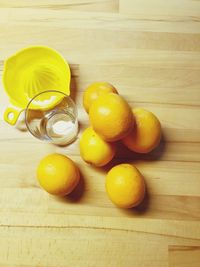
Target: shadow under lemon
[[76, 195], [141, 209], [124, 155]]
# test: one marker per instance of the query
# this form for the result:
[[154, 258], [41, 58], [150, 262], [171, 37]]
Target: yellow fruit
[[146, 134], [58, 174], [94, 90], [111, 117], [125, 186], [94, 149]]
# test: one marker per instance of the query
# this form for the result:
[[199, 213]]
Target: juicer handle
[[11, 115]]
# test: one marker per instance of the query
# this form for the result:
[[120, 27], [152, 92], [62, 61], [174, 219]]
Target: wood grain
[[150, 51], [184, 256]]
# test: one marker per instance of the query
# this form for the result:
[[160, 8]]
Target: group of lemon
[[112, 120]]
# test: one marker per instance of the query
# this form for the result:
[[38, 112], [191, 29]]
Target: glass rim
[[43, 92]]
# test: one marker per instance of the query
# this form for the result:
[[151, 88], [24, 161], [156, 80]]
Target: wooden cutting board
[[150, 50]]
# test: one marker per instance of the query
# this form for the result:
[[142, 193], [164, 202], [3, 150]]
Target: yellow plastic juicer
[[31, 71]]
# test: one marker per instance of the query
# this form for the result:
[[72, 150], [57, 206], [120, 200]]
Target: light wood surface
[[150, 50]]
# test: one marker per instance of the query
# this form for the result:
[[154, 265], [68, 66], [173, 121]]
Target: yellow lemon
[[125, 186], [58, 174], [94, 90], [94, 149], [146, 134], [111, 117]]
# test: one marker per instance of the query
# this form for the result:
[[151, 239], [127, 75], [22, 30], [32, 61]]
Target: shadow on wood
[[141, 209], [21, 125], [78, 192], [124, 154], [73, 83]]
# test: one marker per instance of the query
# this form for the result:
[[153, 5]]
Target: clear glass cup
[[52, 116]]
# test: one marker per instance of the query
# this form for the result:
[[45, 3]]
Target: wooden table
[[150, 50]]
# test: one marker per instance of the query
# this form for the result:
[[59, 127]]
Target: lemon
[[94, 90], [57, 174], [146, 134], [111, 117], [125, 186], [94, 149]]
